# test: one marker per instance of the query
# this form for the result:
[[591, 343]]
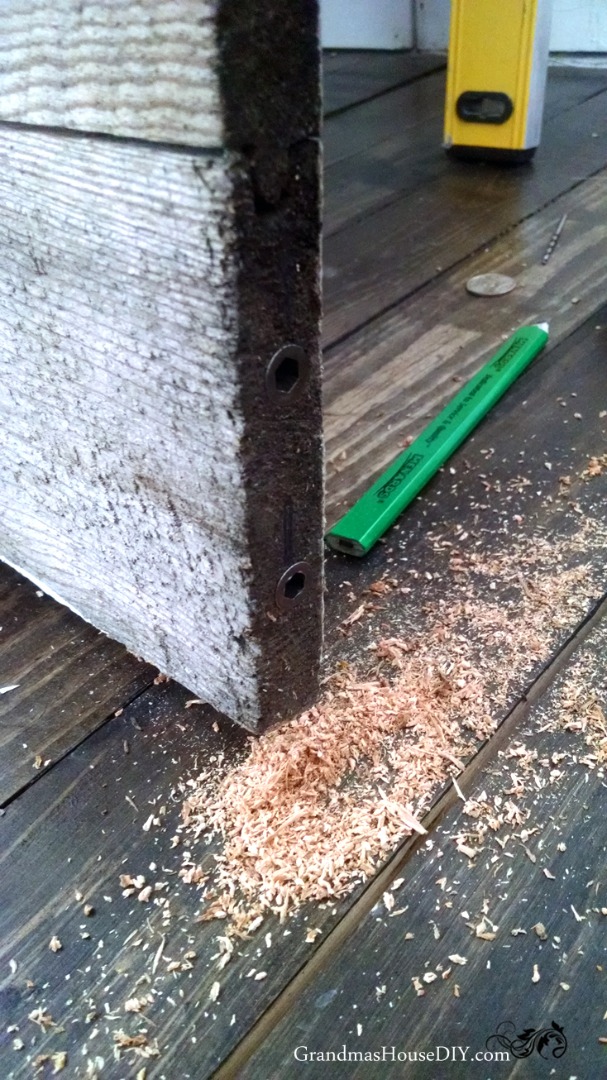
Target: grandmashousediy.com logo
[[505, 1044], [547, 1041]]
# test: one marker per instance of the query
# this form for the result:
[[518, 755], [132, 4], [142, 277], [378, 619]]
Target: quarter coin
[[490, 284]]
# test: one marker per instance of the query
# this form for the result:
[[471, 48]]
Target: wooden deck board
[[388, 379], [76, 829], [447, 211], [69, 678], [370, 980], [389, 147], [351, 76]]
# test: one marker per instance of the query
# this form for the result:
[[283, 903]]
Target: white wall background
[[366, 24], [577, 25]]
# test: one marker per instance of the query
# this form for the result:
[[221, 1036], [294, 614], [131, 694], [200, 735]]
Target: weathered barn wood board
[[80, 825], [159, 311], [387, 380], [154, 478], [543, 955], [69, 678], [163, 71], [380, 257]]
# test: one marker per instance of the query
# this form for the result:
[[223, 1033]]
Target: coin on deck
[[490, 284]]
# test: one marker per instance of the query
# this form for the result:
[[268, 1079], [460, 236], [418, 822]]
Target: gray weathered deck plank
[[518, 929], [67, 678], [83, 811]]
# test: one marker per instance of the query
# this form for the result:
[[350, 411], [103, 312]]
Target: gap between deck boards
[[257, 1035], [442, 274], [68, 751], [390, 377], [408, 66], [382, 256]]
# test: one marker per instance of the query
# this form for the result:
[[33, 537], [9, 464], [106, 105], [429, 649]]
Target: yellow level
[[496, 77]]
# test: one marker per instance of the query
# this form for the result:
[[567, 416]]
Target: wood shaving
[[317, 805], [139, 1043], [596, 466], [540, 930], [42, 1018], [355, 616], [55, 944], [138, 1004]]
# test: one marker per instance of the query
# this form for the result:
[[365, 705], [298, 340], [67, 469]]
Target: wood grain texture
[[379, 257], [389, 149], [147, 470], [162, 71], [445, 895], [385, 382], [351, 76], [77, 829], [356, 131], [69, 678], [146, 70]]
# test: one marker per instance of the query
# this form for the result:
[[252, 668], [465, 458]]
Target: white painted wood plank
[[579, 26], [383, 24], [432, 24]]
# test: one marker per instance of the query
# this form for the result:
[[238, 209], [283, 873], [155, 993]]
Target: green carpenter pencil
[[379, 507]]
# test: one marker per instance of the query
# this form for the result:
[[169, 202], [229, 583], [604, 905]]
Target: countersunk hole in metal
[[292, 585], [287, 373]]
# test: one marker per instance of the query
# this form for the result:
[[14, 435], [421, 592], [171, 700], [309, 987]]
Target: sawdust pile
[[318, 804]]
